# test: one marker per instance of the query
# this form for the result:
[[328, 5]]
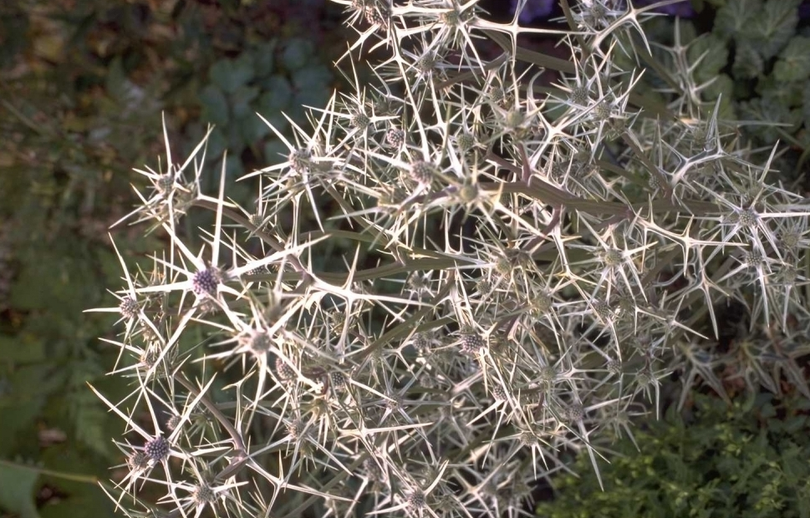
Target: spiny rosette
[[372, 470], [300, 160], [499, 393], [283, 370], [338, 380], [473, 344], [465, 141], [258, 341], [416, 501], [467, 193], [157, 449], [573, 412], [129, 307], [423, 172], [137, 461], [296, 429], [173, 423], [580, 95], [395, 137], [164, 183], [612, 257], [206, 281], [360, 120], [203, 494]]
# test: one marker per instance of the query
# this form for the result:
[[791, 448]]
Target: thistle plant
[[518, 252]]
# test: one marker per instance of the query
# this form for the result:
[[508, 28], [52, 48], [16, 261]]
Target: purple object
[[533, 10], [682, 9], [804, 10]]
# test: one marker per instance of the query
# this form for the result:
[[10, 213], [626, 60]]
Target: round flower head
[[157, 449], [205, 282]]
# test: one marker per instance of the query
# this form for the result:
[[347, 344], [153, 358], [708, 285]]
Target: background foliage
[[82, 87]]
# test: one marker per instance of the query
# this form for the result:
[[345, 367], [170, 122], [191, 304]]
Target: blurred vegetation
[[83, 84]]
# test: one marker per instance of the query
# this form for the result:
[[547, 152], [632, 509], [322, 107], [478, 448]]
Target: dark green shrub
[[747, 460]]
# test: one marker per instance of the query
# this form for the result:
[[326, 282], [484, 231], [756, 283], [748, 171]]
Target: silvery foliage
[[519, 249]]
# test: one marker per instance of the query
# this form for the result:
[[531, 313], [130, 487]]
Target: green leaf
[[87, 412], [767, 111], [231, 74], [275, 151], [314, 77], [17, 416], [265, 58], [296, 53], [17, 484], [236, 141], [83, 499], [214, 106], [788, 93], [253, 129], [774, 26], [241, 100], [732, 18], [277, 96], [748, 64], [23, 348], [312, 84], [722, 85], [794, 60], [710, 54], [217, 144]]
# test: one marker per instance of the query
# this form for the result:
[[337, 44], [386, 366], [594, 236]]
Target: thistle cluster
[[526, 248]]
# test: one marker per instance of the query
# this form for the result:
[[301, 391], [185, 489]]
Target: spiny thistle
[[463, 267]]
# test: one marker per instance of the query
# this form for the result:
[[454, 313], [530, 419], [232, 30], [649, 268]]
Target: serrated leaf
[[90, 421], [296, 53], [788, 93], [231, 74], [722, 85], [748, 64], [214, 106], [17, 489], [86, 411], [767, 111], [794, 60], [774, 26], [732, 17], [710, 54]]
